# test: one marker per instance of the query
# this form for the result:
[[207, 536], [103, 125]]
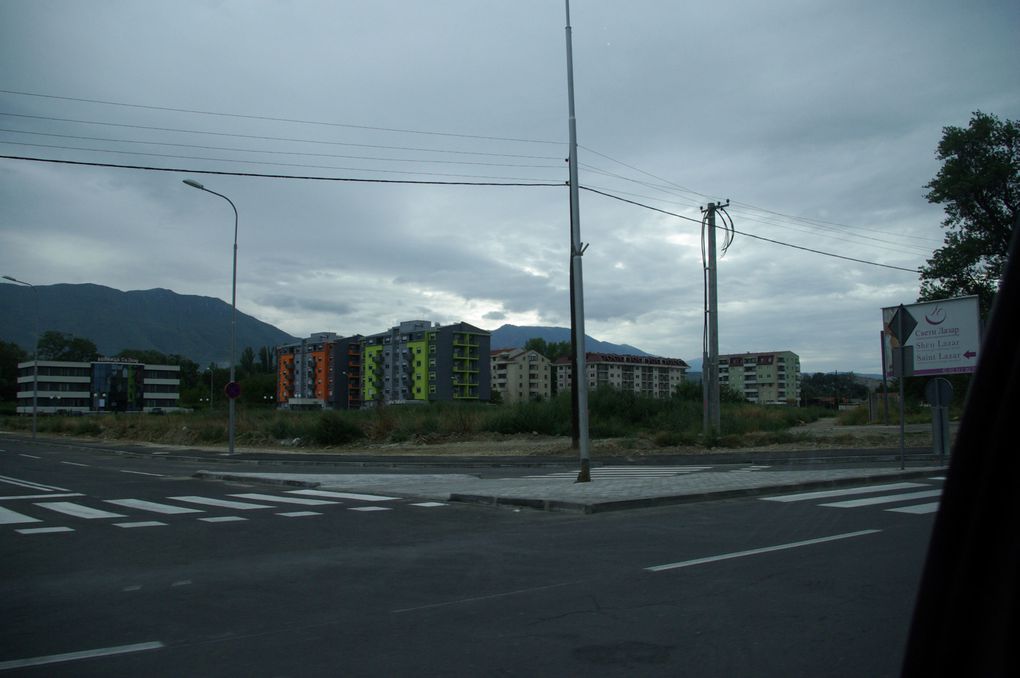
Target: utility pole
[[710, 358], [577, 293]]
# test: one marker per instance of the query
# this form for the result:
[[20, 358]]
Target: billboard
[[943, 336]]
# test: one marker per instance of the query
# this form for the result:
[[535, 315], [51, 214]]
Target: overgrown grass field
[[612, 414]]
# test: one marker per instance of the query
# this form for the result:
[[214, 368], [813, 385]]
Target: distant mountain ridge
[[513, 336], [158, 319]]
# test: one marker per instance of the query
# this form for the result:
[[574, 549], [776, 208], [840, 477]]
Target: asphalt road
[[374, 586]]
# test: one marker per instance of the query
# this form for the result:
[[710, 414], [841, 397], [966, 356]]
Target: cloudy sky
[[817, 119]]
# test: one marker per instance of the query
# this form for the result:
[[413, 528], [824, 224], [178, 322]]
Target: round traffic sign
[[232, 390]]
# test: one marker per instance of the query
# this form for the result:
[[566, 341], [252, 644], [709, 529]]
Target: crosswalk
[[33, 517], [904, 493]]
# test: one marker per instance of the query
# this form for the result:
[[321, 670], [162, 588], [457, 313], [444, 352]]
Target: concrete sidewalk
[[605, 494]]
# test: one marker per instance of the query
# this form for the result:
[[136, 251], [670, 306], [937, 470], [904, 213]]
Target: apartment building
[[417, 361], [651, 376], [766, 378], [322, 371], [104, 385], [519, 375]]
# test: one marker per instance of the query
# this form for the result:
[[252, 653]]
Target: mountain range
[[192, 326]]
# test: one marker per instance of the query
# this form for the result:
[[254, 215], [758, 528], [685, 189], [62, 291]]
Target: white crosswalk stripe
[[887, 499], [9, 517], [40, 513], [343, 495], [152, 506], [875, 498], [221, 503], [78, 510]]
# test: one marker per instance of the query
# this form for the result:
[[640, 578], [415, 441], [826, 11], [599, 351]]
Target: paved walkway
[[608, 494]]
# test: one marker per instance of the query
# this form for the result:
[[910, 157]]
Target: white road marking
[[33, 486], [342, 495], [299, 514], [30, 456], [370, 508], [152, 506], [824, 494], [44, 530], [74, 463], [77, 510], [9, 517], [920, 509], [629, 471], [143, 473], [43, 496], [429, 504], [142, 523], [283, 500], [885, 499], [223, 519], [75, 656], [222, 503], [754, 552]]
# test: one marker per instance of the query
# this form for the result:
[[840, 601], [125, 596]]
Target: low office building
[[766, 378], [104, 385], [651, 376], [520, 376]]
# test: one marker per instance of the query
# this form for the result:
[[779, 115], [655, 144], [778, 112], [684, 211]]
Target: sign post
[[939, 394], [930, 339]]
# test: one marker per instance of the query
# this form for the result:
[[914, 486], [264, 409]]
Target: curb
[[206, 475], [671, 500]]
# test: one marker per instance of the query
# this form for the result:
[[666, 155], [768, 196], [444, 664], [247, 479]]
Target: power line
[[255, 162], [269, 152], [186, 170], [751, 235], [275, 119], [236, 135]]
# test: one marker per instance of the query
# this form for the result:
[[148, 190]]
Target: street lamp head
[[194, 184], [7, 277]]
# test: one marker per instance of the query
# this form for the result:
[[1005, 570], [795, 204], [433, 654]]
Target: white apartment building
[[520, 376], [647, 375], [766, 378], [104, 385]]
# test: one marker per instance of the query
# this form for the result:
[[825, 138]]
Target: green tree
[[10, 355], [979, 185], [55, 345], [553, 350], [248, 360], [265, 360]]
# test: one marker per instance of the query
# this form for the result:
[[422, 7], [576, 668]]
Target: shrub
[[332, 428]]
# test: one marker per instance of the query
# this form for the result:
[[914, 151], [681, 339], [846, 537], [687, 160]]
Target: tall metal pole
[[576, 252], [233, 313], [710, 372], [35, 355]]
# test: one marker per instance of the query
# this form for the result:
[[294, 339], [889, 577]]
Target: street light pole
[[35, 354], [233, 308]]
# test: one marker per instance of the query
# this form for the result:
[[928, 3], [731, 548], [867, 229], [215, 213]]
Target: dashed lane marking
[[142, 473], [299, 514], [223, 519], [370, 508], [429, 504]]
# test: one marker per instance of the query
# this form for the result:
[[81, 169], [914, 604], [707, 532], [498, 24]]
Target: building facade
[[104, 385], [417, 361], [765, 378], [650, 376], [520, 376]]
